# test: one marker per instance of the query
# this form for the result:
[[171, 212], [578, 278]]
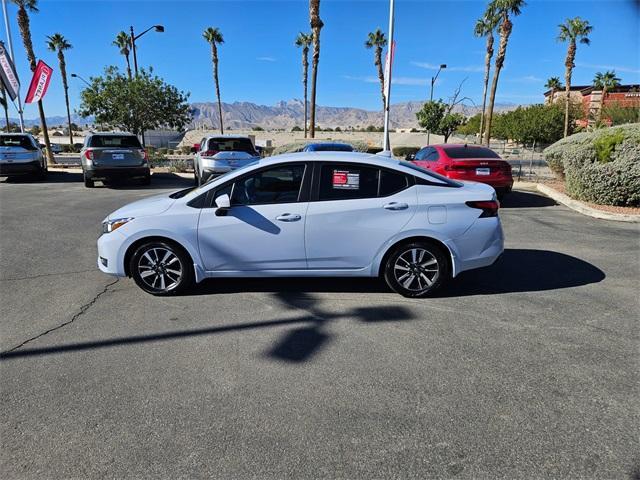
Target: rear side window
[[114, 141], [344, 182], [392, 182], [231, 145], [17, 141], [470, 152]]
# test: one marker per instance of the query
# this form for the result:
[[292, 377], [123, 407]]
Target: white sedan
[[314, 214]]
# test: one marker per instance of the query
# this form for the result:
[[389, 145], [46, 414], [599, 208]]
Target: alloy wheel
[[416, 269], [160, 269]]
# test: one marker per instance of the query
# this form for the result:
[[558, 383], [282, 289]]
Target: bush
[[404, 151], [179, 166], [185, 150], [602, 166], [163, 151]]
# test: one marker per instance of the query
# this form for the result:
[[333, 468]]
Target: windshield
[[17, 141], [231, 145], [114, 141], [332, 147], [435, 175], [470, 152]]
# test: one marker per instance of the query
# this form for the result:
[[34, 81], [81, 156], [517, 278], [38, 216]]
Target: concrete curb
[[585, 209]]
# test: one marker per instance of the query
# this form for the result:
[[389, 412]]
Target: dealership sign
[[39, 82], [8, 74]]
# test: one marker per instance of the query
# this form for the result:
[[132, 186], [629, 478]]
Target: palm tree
[[5, 106], [554, 84], [574, 30], [484, 28], [123, 42], [213, 36], [378, 41], [606, 81], [503, 9], [316, 26], [303, 40], [57, 43], [25, 33]]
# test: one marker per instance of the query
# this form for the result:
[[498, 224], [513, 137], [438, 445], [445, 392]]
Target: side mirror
[[410, 157], [223, 202]]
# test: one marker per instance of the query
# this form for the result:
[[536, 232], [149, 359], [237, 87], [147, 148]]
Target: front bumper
[[110, 258], [97, 172], [19, 168]]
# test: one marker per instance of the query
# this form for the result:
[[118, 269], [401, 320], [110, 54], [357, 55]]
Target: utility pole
[[433, 81]]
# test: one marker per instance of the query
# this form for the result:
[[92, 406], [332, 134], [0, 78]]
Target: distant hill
[[287, 114]]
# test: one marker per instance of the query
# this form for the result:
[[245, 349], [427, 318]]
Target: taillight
[[145, 157], [209, 153], [489, 207], [88, 154]]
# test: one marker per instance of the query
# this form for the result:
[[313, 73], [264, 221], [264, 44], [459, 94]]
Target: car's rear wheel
[[416, 269], [88, 181], [146, 180], [161, 268]]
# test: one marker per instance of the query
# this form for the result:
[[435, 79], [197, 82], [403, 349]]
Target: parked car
[[20, 154], [220, 154], [327, 147], [110, 156], [467, 162], [306, 215], [56, 148]]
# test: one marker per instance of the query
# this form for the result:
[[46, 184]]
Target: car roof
[[16, 134], [329, 156], [227, 136], [110, 134], [463, 145]]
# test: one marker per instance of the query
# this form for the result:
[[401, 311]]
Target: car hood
[[143, 208]]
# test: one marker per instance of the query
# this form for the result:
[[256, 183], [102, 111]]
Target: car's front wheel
[[161, 268], [416, 269]]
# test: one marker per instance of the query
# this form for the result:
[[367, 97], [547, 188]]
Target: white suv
[[220, 154]]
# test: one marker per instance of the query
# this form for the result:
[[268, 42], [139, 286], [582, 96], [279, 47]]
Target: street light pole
[[387, 94], [134, 37], [74, 75], [433, 81], [13, 59]]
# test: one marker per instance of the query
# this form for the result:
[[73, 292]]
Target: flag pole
[[10, 42], [387, 94]]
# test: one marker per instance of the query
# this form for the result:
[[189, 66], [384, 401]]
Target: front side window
[[345, 182], [420, 154], [276, 185], [432, 155]]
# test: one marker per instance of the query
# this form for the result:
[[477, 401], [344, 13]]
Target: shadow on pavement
[[214, 286], [522, 270], [158, 180], [520, 199]]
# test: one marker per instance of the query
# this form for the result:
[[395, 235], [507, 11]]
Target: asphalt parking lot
[[526, 369]]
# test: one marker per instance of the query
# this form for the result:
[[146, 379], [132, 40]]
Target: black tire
[[88, 181], [146, 180], [162, 281], [41, 174], [416, 274]]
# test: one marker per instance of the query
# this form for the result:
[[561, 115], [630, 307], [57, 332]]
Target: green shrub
[[359, 146], [185, 150], [404, 151], [179, 166], [602, 166], [606, 144], [163, 151]]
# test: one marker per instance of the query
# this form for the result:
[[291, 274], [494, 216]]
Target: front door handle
[[289, 217], [396, 206]]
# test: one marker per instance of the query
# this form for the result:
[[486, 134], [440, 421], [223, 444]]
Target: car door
[[264, 227], [355, 210]]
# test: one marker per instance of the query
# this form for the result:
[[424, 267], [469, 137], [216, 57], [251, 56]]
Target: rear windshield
[[470, 152], [332, 147], [231, 145], [114, 141], [17, 141]]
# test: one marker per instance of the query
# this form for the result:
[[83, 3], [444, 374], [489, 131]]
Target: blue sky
[[259, 63]]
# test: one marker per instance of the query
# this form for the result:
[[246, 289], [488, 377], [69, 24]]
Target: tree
[[554, 84], [123, 42], [377, 41], [303, 40], [430, 114], [57, 43], [316, 26], [572, 31], [25, 33], [471, 126], [296, 128], [502, 9], [145, 102], [617, 114], [606, 81], [484, 28], [35, 130], [449, 124], [213, 36]]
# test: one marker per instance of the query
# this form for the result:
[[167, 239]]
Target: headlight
[[111, 225]]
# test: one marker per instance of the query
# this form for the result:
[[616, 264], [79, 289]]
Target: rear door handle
[[396, 206], [289, 217]]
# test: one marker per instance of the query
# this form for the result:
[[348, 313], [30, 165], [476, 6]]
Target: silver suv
[[108, 156], [20, 154], [220, 154]]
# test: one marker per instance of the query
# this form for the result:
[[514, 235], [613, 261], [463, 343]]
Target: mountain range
[[287, 114]]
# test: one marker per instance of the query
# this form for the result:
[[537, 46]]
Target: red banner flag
[[39, 82]]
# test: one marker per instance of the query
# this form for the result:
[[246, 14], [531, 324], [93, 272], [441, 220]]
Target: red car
[[467, 162]]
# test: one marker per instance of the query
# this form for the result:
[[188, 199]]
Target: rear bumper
[[117, 172], [480, 246], [19, 168]]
